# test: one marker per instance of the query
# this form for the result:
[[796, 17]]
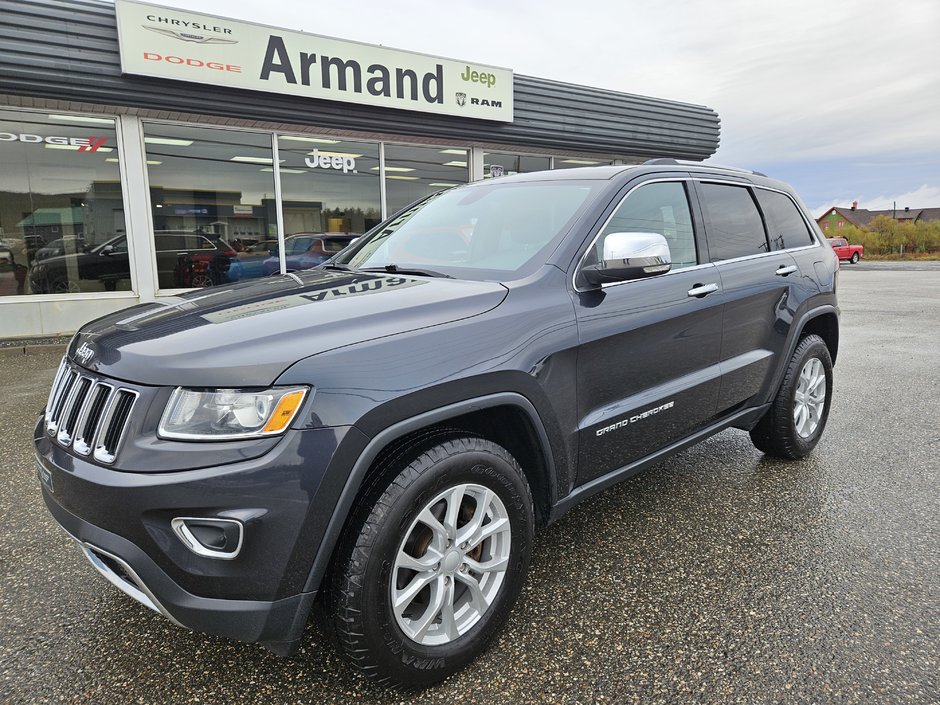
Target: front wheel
[[430, 569], [854, 258], [793, 425]]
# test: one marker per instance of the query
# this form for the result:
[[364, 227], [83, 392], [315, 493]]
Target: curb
[[18, 350]]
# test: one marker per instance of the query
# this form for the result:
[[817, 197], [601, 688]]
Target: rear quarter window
[[785, 226]]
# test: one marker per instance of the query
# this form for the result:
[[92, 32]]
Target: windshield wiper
[[395, 269], [337, 266]]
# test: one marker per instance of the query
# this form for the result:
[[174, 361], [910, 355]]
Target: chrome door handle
[[700, 290], [784, 271]]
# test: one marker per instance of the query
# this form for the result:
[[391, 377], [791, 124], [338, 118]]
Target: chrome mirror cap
[[630, 256]]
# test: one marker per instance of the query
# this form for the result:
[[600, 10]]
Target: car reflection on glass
[[185, 260], [306, 250], [251, 260], [62, 246]]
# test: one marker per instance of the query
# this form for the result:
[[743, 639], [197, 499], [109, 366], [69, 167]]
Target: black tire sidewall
[[408, 661], [812, 347]]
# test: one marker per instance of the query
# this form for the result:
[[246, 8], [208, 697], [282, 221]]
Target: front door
[[648, 371]]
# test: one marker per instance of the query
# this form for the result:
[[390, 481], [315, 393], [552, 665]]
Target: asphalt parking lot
[[715, 577]]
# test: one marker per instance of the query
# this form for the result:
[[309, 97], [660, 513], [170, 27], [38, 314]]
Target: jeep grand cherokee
[[377, 439]]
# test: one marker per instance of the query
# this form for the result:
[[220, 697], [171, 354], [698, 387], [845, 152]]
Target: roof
[[63, 54], [53, 216], [861, 217]]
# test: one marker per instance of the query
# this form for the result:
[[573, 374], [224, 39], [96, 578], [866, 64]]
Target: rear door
[[647, 364], [758, 279]]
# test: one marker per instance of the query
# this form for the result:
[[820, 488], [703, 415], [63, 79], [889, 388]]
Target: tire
[[791, 428], [854, 258], [390, 551], [63, 286]]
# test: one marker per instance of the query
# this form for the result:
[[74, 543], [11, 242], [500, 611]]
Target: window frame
[[134, 291], [701, 250], [818, 239], [799, 211]]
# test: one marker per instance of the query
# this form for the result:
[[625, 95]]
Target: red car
[[845, 251]]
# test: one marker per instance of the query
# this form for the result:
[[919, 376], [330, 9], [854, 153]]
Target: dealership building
[[146, 151]]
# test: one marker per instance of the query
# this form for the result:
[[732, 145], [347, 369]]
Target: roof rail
[[677, 162]]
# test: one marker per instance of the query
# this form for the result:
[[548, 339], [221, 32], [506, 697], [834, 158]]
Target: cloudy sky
[[839, 97]]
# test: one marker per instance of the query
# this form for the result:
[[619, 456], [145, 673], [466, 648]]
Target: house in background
[[836, 218]]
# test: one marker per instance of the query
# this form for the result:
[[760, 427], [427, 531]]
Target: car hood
[[248, 334]]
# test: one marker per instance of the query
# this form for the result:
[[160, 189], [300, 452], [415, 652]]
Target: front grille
[[88, 414]]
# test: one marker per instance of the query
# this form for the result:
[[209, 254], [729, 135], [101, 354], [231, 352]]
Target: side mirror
[[630, 256], [107, 250]]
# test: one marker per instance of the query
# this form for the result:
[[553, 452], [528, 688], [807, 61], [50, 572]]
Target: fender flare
[[797, 329], [399, 429]]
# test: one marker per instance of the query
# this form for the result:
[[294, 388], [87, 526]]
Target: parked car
[[845, 251], [252, 259], [62, 246], [306, 250], [184, 260], [377, 439]]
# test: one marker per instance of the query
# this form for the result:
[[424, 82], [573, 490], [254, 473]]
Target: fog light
[[210, 537]]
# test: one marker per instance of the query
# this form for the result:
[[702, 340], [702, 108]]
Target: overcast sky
[[839, 97]]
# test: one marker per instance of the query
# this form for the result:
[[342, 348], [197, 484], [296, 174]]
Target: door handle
[[784, 271], [701, 290]]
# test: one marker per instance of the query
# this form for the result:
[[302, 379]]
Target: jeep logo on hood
[[84, 353]]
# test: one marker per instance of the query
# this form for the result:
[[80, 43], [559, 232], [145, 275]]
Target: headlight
[[229, 414]]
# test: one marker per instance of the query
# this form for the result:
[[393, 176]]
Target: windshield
[[486, 231], [296, 245]]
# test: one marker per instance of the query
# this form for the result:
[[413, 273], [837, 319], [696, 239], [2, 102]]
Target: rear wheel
[[64, 286], [793, 425], [854, 258], [430, 569]]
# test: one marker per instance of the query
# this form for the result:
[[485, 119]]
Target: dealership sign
[[186, 46]]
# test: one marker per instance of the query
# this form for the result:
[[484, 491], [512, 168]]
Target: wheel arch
[[506, 418], [825, 324]]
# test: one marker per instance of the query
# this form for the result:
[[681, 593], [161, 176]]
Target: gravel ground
[[716, 577]]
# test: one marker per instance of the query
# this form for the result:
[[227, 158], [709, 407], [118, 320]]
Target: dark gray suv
[[376, 440]]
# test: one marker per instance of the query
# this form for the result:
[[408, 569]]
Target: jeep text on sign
[[186, 46]]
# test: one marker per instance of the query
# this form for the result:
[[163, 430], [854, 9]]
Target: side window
[[733, 223], [119, 246], [657, 208], [785, 226], [165, 243]]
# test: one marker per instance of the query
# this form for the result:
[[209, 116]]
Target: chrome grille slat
[[73, 409], [87, 413], [88, 423], [56, 384], [61, 396], [113, 425]]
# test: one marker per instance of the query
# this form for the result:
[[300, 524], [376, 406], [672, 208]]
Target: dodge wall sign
[[187, 46]]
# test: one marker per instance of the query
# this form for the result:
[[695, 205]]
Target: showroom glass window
[[575, 162], [214, 209], [330, 193], [415, 172], [61, 205], [502, 164]]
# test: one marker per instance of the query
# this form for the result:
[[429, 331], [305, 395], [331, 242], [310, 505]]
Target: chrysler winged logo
[[189, 37], [85, 353], [461, 99]]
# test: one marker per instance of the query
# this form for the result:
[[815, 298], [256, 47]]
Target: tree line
[[886, 236]]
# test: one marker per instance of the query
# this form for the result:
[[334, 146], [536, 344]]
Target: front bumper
[[122, 522]]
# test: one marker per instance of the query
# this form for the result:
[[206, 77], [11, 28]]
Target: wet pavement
[[715, 577]]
